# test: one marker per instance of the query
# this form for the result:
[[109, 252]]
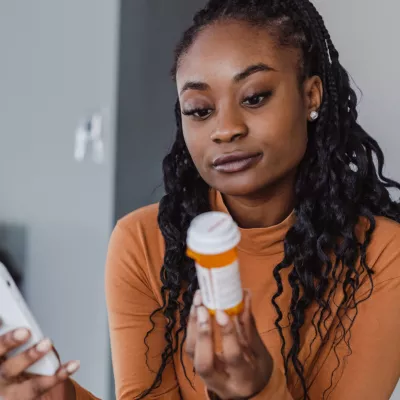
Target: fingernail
[[21, 334], [202, 315], [73, 366], [44, 345], [197, 299], [222, 318]]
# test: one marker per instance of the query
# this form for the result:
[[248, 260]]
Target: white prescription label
[[221, 288]]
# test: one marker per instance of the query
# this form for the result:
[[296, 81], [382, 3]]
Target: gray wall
[[58, 62], [146, 125], [365, 33]]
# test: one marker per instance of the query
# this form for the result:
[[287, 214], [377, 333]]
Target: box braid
[[337, 183]]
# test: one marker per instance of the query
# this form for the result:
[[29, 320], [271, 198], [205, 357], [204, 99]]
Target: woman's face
[[244, 114]]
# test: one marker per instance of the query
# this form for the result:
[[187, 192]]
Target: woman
[[266, 131]]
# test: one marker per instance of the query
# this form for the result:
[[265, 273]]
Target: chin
[[238, 186]]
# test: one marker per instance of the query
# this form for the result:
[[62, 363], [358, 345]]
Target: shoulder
[[143, 219], [385, 237], [139, 230], [136, 248], [383, 252], [386, 228]]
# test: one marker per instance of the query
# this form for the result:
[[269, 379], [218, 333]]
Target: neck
[[266, 208]]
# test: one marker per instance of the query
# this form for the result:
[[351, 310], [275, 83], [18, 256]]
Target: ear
[[313, 92]]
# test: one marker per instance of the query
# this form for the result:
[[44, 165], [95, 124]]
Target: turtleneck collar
[[257, 241]]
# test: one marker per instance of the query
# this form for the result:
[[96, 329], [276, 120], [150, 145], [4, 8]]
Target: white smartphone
[[15, 313]]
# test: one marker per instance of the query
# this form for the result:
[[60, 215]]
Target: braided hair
[[337, 183]]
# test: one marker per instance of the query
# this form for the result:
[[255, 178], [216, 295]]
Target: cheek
[[283, 131], [290, 139], [194, 143]]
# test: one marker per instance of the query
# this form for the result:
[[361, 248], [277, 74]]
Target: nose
[[230, 126]]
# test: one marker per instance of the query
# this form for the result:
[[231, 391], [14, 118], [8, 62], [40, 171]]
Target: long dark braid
[[337, 183]]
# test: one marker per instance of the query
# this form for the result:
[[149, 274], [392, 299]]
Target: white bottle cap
[[213, 233]]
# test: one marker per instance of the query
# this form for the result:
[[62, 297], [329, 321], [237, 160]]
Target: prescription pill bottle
[[212, 241]]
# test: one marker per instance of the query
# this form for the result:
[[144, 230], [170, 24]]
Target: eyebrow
[[250, 70]]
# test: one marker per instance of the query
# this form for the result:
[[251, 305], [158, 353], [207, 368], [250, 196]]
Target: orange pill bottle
[[212, 241]]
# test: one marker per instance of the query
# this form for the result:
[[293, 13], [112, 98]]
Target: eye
[[257, 99], [198, 113]]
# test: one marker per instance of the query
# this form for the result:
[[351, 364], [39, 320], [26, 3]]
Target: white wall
[[57, 64], [366, 33]]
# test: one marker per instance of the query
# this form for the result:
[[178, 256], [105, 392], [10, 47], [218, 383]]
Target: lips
[[236, 162]]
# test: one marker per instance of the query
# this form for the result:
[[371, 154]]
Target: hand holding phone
[[29, 366]]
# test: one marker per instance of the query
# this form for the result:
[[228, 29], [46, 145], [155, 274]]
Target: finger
[[37, 386], [197, 299], [231, 346], [16, 365], [204, 351], [12, 340], [240, 331], [191, 329], [246, 314], [191, 333], [68, 369]]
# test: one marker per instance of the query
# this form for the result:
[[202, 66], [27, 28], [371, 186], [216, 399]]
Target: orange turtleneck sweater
[[133, 292]]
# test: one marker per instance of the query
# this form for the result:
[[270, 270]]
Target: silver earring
[[314, 115]]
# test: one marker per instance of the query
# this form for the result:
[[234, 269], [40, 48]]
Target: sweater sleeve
[[130, 302], [81, 393], [372, 371], [370, 368]]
